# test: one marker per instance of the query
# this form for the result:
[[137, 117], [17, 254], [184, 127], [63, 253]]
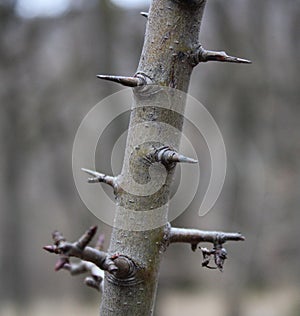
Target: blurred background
[[50, 53]]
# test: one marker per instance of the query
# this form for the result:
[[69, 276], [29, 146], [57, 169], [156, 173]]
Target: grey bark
[[171, 36]]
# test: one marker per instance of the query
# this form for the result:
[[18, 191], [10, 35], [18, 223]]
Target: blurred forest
[[48, 84]]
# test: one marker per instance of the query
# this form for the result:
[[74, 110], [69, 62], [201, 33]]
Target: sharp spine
[[144, 14], [125, 81]]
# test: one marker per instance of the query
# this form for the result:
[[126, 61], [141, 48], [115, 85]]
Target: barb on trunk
[[125, 81], [167, 156], [101, 177], [203, 55]]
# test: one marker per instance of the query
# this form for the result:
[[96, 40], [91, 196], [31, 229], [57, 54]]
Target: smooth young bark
[[171, 37]]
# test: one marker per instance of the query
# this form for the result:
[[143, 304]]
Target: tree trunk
[[141, 230], [171, 35]]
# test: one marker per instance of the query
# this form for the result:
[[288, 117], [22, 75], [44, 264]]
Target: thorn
[[220, 255], [57, 237], [206, 254], [50, 248], [67, 267], [65, 248], [91, 282], [125, 81], [223, 57], [241, 237], [169, 156], [93, 180], [180, 158], [61, 262], [209, 55], [85, 239], [99, 177], [194, 247], [100, 242], [144, 14]]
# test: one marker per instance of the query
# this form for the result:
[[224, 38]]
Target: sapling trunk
[[141, 233]]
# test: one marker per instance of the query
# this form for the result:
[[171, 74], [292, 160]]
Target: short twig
[[100, 177], [195, 236], [93, 260]]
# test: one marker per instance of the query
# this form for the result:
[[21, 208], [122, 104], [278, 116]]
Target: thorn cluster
[[79, 249]]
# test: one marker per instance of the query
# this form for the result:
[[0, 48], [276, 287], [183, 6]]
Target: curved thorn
[[125, 81], [144, 14], [85, 239]]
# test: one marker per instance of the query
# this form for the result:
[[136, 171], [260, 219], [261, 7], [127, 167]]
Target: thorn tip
[[99, 177], [169, 156], [49, 248], [96, 175], [144, 14], [182, 158]]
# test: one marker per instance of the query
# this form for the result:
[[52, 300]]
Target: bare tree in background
[[170, 52]]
